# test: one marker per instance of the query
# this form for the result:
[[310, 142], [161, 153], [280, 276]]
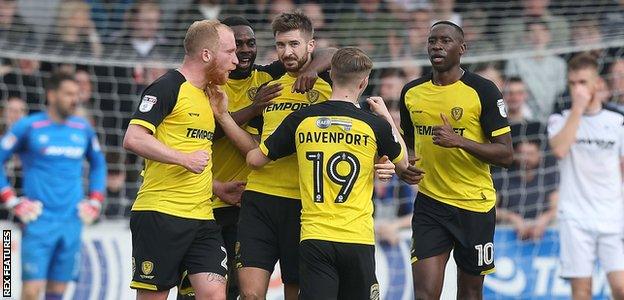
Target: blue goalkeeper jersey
[[52, 156]]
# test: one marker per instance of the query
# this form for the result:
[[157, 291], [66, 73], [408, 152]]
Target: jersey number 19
[[346, 182]]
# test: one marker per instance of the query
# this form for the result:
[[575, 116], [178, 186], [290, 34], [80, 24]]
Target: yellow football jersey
[[336, 145], [179, 115], [229, 164], [280, 178], [475, 109]]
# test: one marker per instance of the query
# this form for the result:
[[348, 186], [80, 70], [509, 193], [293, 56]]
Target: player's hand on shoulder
[[444, 135], [378, 106], [89, 210], [230, 192], [384, 168], [265, 94], [195, 162], [305, 81], [218, 100], [413, 174], [24, 209]]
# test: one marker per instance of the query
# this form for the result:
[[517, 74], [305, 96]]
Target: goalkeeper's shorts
[[438, 227], [51, 250]]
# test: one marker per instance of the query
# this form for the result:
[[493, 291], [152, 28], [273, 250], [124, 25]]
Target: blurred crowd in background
[[123, 45]]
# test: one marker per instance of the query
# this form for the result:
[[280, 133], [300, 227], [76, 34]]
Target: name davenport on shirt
[[334, 138]]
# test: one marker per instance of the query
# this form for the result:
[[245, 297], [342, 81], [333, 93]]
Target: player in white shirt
[[588, 140]]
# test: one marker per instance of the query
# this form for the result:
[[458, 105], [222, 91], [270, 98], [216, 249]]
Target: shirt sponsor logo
[[70, 152], [428, 130], [325, 122], [199, 134], [147, 103], [286, 106], [602, 144]]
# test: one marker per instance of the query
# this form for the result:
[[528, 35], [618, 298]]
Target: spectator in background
[[543, 74], [474, 26], [444, 10], [15, 34], [527, 192], [76, 34], [516, 96], [616, 71], [612, 19], [107, 15], [199, 10], [14, 109], [491, 71], [512, 32], [410, 42], [280, 6], [141, 39], [322, 34], [366, 27], [24, 81], [394, 199], [86, 103]]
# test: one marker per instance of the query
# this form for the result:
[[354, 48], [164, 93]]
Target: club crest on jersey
[[147, 103], [251, 92], [502, 108], [312, 95], [457, 113]]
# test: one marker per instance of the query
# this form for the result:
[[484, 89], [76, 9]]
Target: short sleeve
[[555, 124], [254, 126], [157, 101], [325, 76], [387, 142], [281, 142], [493, 111], [276, 69], [407, 127]]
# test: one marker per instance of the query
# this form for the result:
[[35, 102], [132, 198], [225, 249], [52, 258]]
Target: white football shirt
[[590, 190]]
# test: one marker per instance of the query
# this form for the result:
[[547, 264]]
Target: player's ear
[[462, 48], [363, 83], [206, 55], [311, 45]]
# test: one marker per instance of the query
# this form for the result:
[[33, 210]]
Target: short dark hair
[[348, 65], [236, 21], [514, 79], [582, 61], [392, 72], [293, 21], [455, 26], [56, 79]]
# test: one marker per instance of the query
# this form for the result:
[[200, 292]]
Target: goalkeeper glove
[[89, 209], [23, 208]]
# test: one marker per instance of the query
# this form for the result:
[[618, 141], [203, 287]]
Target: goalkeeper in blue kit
[[52, 146]]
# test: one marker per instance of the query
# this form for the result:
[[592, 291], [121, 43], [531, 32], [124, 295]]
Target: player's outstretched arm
[[406, 171], [321, 62], [89, 209], [140, 140], [498, 152], [262, 99], [239, 137]]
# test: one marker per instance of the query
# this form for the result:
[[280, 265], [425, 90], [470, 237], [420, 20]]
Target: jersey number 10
[[346, 182]]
